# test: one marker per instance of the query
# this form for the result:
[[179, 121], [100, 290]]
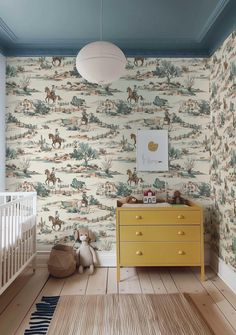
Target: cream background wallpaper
[[96, 125], [194, 99]]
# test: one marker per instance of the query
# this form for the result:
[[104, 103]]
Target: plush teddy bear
[[86, 256]]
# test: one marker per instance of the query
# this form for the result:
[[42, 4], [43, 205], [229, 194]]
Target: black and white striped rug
[[40, 319]]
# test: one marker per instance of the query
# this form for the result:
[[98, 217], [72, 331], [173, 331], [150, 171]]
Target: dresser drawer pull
[[138, 233], [139, 253], [181, 232], [138, 217], [181, 252], [180, 217]]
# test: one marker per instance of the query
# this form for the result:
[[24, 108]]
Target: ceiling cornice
[[6, 30], [214, 30], [212, 19], [177, 53]]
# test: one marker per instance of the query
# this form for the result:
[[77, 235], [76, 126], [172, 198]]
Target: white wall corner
[[224, 271], [2, 121]]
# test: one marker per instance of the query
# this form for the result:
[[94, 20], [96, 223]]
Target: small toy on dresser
[[86, 256], [177, 199], [149, 197]]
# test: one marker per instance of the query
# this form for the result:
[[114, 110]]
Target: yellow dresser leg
[[202, 273], [118, 273]]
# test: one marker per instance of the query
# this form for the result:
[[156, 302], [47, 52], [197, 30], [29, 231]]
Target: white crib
[[17, 234]]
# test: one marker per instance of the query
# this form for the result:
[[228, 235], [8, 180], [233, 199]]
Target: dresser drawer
[[176, 233], [159, 253], [152, 217]]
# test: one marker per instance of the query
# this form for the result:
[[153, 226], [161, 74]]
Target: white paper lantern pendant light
[[101, 62]]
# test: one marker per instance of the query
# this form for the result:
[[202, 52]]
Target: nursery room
[[118, 167]]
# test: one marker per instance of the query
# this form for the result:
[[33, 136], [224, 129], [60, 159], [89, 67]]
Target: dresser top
[[163, 206]]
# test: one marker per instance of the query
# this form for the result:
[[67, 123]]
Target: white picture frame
[[152, 150]]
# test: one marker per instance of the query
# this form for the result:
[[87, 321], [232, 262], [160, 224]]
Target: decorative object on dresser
[[177, 199], [159, 235], [149, 197]]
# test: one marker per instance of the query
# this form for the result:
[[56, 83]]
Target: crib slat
[[28, 231], [4, 246], [15, 240], [1, 247], [8, 247], [13, 266], [17, 234], [12, 240]]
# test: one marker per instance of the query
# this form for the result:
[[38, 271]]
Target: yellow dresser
[[160, 236]]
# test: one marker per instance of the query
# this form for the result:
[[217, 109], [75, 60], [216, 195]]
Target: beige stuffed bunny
[[86, 255]]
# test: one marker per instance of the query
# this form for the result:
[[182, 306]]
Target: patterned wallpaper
[[223, 150], [74, 142]]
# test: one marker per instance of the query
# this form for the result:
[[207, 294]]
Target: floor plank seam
[[107, 281], [163, 282], [62, 286], [151, 281], [31, 305], [174, 282], [14, 296], [212, 282], [213, 302], [222, 292]]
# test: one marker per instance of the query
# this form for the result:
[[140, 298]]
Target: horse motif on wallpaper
[[51, 178], [133, 95], [138, 61], [56, 60], [132, 177], [55, 139], [55, 222], [51, 95]]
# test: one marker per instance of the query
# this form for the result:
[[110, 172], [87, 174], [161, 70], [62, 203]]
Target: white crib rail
[[17, 234]]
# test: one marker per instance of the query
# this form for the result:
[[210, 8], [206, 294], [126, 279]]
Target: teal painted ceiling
[[138, 27]]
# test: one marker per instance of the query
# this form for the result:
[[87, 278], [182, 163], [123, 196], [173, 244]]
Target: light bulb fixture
[[101, 62]]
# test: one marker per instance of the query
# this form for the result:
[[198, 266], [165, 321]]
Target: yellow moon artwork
[[152, 146]]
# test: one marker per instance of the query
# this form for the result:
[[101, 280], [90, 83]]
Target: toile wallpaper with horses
[[223, 150], [75, 142]]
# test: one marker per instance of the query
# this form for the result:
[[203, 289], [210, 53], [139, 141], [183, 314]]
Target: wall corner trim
[[225, 272]]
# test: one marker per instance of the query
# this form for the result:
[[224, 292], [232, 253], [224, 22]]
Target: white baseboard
[[225, 272], [108, 259], [42, 258], [105, 259]]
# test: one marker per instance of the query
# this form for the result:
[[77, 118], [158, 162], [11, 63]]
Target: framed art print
[[152, 150]]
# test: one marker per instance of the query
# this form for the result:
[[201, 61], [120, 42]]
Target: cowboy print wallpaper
[[74, 143], [223, 150]]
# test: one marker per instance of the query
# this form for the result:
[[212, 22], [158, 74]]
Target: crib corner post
[[34, 264]]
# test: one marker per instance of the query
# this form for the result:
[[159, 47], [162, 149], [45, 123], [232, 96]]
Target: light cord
[[101, 20]]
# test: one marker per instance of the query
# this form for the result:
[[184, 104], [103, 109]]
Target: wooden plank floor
[[213, 298]]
